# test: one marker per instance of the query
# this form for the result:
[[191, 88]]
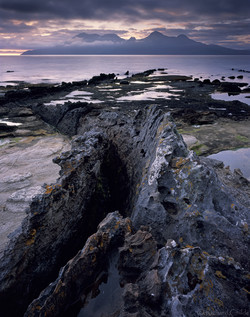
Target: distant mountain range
[[154, 44]]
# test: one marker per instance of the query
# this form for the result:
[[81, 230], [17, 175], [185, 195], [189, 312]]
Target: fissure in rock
[[108, 192], [111, 192]]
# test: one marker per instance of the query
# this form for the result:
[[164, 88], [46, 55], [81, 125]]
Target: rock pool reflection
[[107, 302], [235, 159], [227, 97]]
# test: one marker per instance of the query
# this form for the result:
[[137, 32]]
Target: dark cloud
[[99, 9], [214, 19]]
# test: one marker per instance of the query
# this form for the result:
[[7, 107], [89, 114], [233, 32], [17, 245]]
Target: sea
[[55, 69]]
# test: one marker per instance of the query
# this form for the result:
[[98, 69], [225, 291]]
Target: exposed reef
[[129, 186]]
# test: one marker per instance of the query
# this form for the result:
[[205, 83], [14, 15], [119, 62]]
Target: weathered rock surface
[[82, 271], [64, 117], [192, 254], [180, 280], [54, 229]]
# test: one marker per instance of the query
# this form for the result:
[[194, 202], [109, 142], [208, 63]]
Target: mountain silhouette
[[96, 37], [155, 43]]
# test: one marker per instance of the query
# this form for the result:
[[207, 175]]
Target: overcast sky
[[28, 24]]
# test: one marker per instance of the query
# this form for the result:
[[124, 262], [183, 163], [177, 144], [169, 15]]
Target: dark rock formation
[[21, 121], [193, 117], [124, 82], [185, 252], [216, 82], [145, 73], [6, 128], [44, 91], [207, 81], [180, 281], [246, 90], [63, 117], [229, 87], [81, 271], [61, 220], [102, 77]]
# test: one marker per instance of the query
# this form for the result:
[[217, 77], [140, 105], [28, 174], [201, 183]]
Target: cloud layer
[[224, 22]]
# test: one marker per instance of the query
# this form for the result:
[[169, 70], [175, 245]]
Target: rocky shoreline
[[129, 186]]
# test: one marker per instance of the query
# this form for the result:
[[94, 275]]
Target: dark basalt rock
[[124, 82], [229, 87], [102, 77], [145, 73], [246, 90], [137, 254], [6, 128], [64, 117], [33, 92], [193, 117], [216, 82], [207, 81], [181, 281], [187, 247], [80, 272], [13, 95], [60, 220]]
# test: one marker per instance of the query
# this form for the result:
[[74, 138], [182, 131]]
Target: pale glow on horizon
[[11, 52]]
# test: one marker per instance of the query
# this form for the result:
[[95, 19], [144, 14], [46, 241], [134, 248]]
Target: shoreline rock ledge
[[181, 234]]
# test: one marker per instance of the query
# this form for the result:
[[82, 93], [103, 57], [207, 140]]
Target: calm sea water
[[53, 69]]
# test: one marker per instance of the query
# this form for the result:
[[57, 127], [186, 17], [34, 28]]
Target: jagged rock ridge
[[187, 242]]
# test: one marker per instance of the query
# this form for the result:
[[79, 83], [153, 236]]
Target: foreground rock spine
[[191, 252]]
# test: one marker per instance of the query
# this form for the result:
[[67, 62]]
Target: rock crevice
[[187, 227]]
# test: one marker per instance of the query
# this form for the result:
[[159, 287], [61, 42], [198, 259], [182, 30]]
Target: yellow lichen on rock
[[220, 275], [245, 290], [178, 163], [32, 235], [58, 286], [219, 302], [50, 188]]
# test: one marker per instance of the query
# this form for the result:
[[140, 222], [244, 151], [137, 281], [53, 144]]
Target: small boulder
[[216, 82], [124, 82], [206, 81]]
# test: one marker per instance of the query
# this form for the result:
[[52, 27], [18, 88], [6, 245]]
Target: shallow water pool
[[235, 159], [227, 97]]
